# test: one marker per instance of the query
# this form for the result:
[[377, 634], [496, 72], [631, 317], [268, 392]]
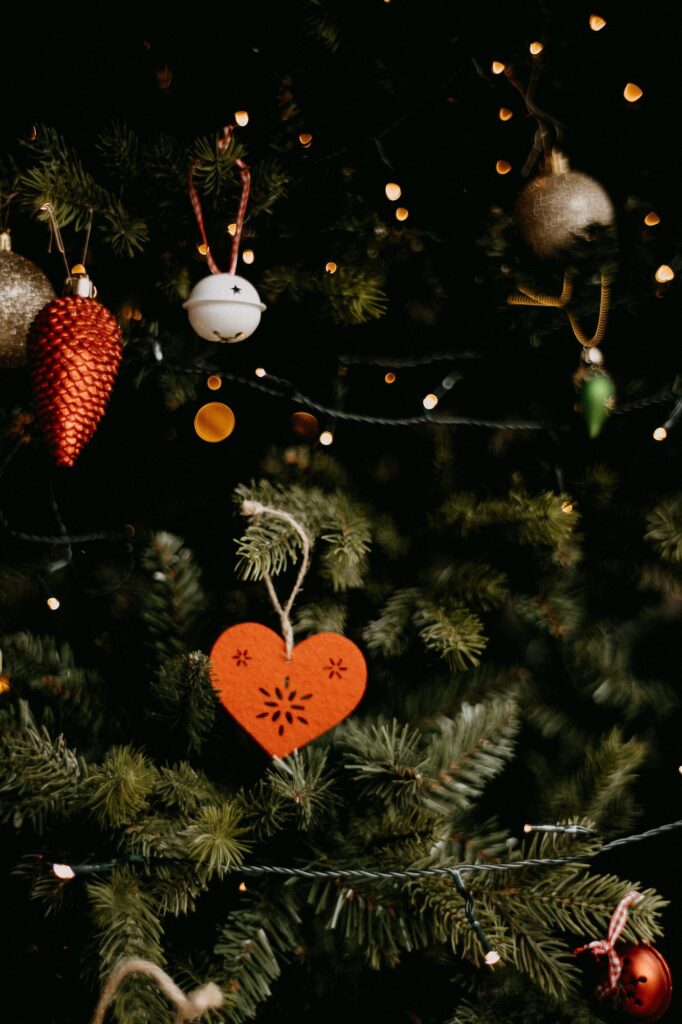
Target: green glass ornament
[[596, 398]]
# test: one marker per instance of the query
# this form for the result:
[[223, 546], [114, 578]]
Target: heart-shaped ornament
[[286, 704]]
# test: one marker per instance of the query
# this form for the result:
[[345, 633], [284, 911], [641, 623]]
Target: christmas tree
[[364, 386]]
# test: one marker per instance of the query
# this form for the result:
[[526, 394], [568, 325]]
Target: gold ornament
[[24, 291], [555, 209]]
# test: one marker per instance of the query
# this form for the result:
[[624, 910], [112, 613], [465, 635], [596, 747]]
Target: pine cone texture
[[74, 350]]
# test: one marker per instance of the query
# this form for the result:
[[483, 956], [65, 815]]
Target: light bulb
[[393, 191], [567, 507], [497, 67], [430, 401], [664, 273], [63, 871], [597, 23], [402, 213], [389, 377], [214, 382], [652, 219], [242, 118], [632, 92], [660, 434], [202, 248], [248, 256], [493, 957], [260, 372], [594, 354], [326, 438], [527, 829], [505, 114], [53, 603], [536, 48], [331, 267], [503, 167], [232, 229], [242, 886], [305, 138]]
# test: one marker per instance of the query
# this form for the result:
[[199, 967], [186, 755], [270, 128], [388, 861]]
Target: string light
[[652, 219], [214, 382], [503, 167], [326, 438], [497, 67], [331, 267], [430, 401], [242, 886], [232, 229], [393, 191], [632, 92], [260, 372], [660, 434], [201, 248], [402, 213], [242, 118], [505, 114], [597, 23], [63, 871], [305, 138], [567, 507], [492, 957], [570, 830], [664, 273], [390, 377], [248, 256], [53, 603], [536, 48]]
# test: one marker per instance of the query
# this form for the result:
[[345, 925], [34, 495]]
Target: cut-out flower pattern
[[281, 706], [335, 668], [242, 657]]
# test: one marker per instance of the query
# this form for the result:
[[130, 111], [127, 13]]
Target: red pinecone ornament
[[74, 350]]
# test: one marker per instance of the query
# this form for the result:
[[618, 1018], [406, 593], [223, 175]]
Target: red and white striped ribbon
[[223, 142], [606, 947]]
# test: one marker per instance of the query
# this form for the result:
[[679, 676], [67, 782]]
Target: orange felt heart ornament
[[286, 704]]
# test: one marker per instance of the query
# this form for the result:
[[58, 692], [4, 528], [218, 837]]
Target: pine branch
[[454, 633], [119, 789], [302, 781], [173, 602], [665, 529], [186, 699], [216, 838], [389, 760]]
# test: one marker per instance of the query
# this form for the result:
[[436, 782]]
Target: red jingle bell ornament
[[645, 986], [74, 350]]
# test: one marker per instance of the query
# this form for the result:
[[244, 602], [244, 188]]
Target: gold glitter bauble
[[555, 209], [24, 291]]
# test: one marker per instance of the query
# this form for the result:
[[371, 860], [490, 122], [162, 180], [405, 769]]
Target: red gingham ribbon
[[605, 947], [223, 142]]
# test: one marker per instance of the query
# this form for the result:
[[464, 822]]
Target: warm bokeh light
[[214, 382], [527, 829], [664, 273], [597, 23], [260, 372], [660, 434], [503, 167], [536, 48], [652, 219], [202, 248], [505, 114], [632, 92], [567, 507], [242, 118], [493, 957], [326, 438], [242, 886], [78, 269], [430, 401], [393, 191], [331, 267], [232, 229], [63, 871], [402, 213], [4, 684], [595, 355], [214, 422], [53, 603], [305, 138], [390, 377], [248, 256], [497, 67], [304, 424]]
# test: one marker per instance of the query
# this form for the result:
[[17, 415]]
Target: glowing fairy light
[[242, 118], [242, 886], [260, 372], [536, 48], [248, 256], [664, 274], [232, 229], [390, 377], [53, 603], [597, 23], [331, 267], [326, 438], [632, 92], [63, 871], [652, 219], [567, 507], [660, 434], [214, 382], [402, 213], [497, 67], [505, 114], [492, 957], [430, 401], [202, 248], [393, 191], [503, 167], [305, 138]]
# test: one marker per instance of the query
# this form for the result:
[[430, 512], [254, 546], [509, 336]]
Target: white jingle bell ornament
[[224, 307], [556, 208]]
